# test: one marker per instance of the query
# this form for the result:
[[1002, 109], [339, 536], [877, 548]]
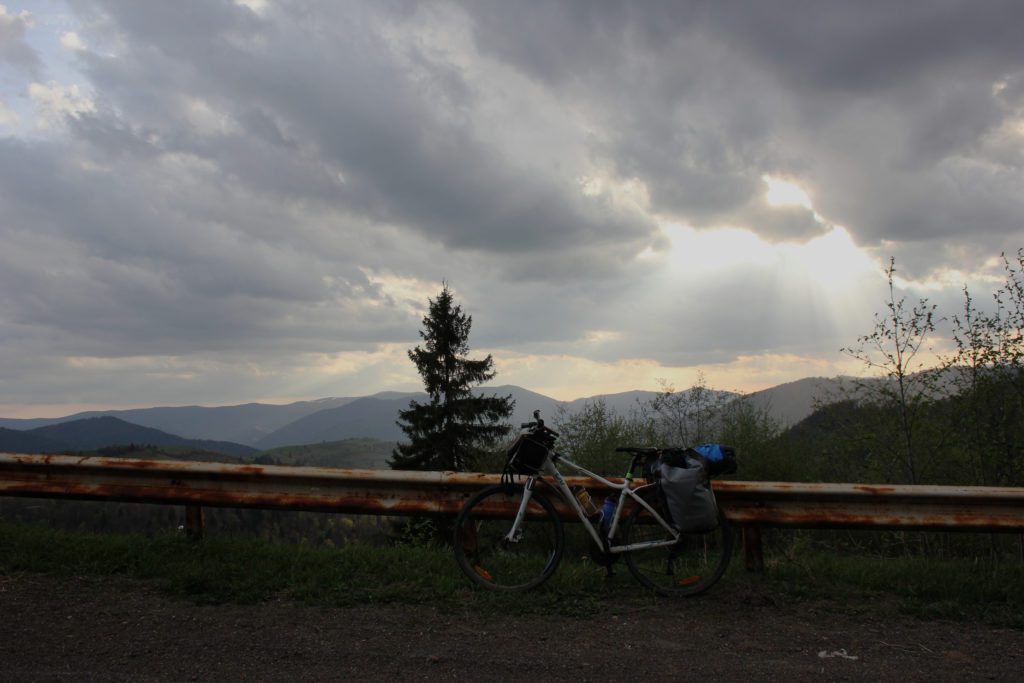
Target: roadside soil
[[98, 629]]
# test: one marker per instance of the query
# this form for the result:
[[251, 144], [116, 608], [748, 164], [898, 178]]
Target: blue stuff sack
[[717, 459]]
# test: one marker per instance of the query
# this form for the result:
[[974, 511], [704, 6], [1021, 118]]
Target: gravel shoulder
[[54, 628]]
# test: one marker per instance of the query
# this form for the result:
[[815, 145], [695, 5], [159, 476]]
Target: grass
[[923, 587], [239, 570], [243, 570]]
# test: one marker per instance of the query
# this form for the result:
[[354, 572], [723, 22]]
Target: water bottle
[[586, 502], [608, 513]]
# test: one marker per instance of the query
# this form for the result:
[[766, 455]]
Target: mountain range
[[243, 429], [93, 433], [244, 424]]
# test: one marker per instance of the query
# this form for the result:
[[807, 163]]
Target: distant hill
[[790, 403], [348, 453], [527, 401], [363, 418], [243, 424], [306, 422], [335, 419], [621, 403], [98, 432], [376, 418], [14, 441]]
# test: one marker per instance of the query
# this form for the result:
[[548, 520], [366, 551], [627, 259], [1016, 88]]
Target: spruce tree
[[456, 424]]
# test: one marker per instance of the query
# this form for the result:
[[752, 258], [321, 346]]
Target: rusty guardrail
[[387, 492]]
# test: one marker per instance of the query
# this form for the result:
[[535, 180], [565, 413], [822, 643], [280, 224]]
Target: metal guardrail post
[[753, 550], [194, 522]]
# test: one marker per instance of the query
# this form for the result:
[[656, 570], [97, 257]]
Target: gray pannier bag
[[688, 496]]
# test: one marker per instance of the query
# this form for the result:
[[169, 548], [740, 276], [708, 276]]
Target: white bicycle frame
[[625, 491]]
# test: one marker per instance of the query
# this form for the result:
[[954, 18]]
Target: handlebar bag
[[526, 455]]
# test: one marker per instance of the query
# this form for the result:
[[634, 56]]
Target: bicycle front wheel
[[494, 558], [686, 568]]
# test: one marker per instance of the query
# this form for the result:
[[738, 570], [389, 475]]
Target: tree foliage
[[687, 418], [456, 424], [590, 436], [988, 372], [674, 418], [905, 391], [754, 433], [961, 422]]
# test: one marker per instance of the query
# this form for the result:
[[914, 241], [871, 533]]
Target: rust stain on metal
[[138, 464], [387, 492], [876, 490]]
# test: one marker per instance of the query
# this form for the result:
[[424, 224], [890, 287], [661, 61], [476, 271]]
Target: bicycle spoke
[[688, 567], [487, 554]]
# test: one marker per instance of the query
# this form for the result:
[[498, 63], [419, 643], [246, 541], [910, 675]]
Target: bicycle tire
[[689, 567], [483, 552]]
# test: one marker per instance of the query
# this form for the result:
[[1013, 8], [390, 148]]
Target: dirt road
[[86, 628]]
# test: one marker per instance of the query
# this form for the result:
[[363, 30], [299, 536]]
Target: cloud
[[856, 49], [885, 113], [14, 49], [55, 103], [354, 108], [8, 117], [694, 102], [71, 41], [169, 274], [232, 193]]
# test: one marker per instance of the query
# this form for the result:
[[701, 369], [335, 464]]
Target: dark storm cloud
[[120, 276], [399, 145], [853, 46], [860, 47], [237, 176], [883, 111]]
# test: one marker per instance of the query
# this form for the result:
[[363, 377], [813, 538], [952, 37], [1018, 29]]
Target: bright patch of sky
[[32, 96], [784, 193]]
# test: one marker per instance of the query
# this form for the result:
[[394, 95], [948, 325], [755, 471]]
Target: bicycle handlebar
[[538, 424]]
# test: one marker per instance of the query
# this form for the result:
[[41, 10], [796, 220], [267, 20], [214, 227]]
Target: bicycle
[[522, 554]]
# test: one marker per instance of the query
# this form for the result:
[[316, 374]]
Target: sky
[[216, 202]]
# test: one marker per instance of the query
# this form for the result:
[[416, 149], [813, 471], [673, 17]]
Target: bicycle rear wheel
[[689, 567], [491, 559]]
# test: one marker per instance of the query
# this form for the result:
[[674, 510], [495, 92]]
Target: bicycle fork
[[516, 532]]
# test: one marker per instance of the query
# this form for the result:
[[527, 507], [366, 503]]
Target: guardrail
[[388, 492]]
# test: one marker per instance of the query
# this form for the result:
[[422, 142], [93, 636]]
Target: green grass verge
[[238, 570], [919, 586], [242, 570]]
